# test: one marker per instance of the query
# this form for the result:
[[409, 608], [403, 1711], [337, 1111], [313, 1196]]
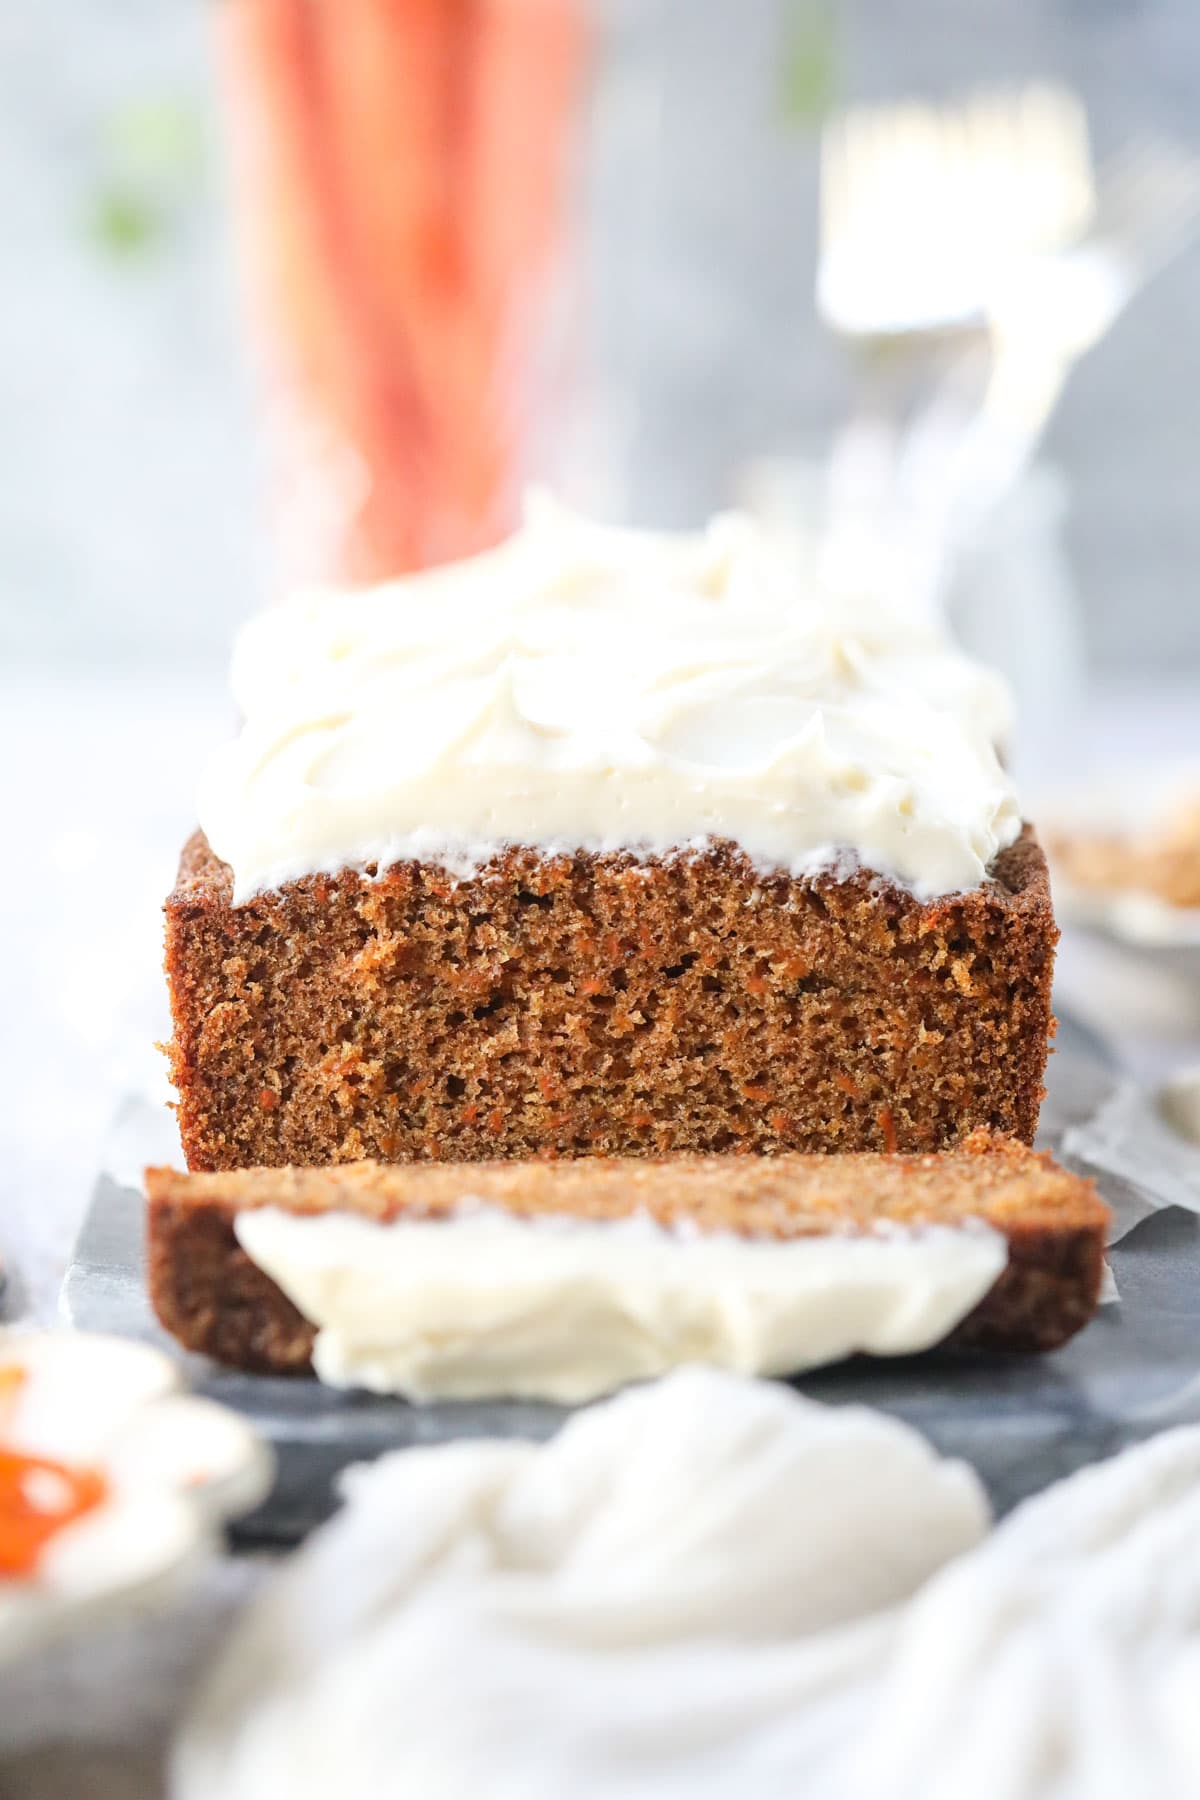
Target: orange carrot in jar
[[288, 224], [526, 76], [399, 166], [304, 294], [525, 80], [394, 71], [390, 69]]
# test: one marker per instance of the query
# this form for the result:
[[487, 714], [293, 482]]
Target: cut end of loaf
[[601, 1005]]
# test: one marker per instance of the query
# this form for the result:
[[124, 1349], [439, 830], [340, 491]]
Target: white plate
[[1137, 921], [176, 1468]]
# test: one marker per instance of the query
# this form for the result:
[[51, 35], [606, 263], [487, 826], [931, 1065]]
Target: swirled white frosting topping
[[584, 688]]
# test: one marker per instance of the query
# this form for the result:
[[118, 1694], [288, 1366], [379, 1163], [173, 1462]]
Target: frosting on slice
[[558, 1308]]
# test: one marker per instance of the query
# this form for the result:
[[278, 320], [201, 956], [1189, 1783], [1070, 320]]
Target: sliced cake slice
[[564, 1280]]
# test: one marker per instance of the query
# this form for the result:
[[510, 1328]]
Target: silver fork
[[974, 246], [923, 209], [1047, 311]]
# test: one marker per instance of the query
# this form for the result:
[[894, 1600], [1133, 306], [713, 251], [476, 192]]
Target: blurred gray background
[[130, 485]]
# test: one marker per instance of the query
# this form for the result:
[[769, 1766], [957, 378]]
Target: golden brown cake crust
[[214, 1299], [582, 1005]]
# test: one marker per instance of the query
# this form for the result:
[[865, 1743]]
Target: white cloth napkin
[[714, 1588]]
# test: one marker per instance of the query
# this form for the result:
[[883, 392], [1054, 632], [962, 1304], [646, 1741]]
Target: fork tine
[[951, 191], [1149, 191]]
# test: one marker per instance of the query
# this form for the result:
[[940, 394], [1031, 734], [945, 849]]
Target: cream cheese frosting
[[561, 1308], [582, 688]]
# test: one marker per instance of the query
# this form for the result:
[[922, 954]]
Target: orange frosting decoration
[[38, 1496]]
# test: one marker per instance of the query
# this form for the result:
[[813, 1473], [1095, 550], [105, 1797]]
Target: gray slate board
[[1022, 1422]]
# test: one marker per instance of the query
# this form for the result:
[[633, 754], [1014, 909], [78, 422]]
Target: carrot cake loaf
[[605, 843], [561, 1280]]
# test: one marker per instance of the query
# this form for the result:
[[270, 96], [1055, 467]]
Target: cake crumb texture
[[602, 1005]]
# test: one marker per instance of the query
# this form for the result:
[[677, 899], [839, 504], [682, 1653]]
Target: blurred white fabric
[[712, 1588], [100, 778]]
